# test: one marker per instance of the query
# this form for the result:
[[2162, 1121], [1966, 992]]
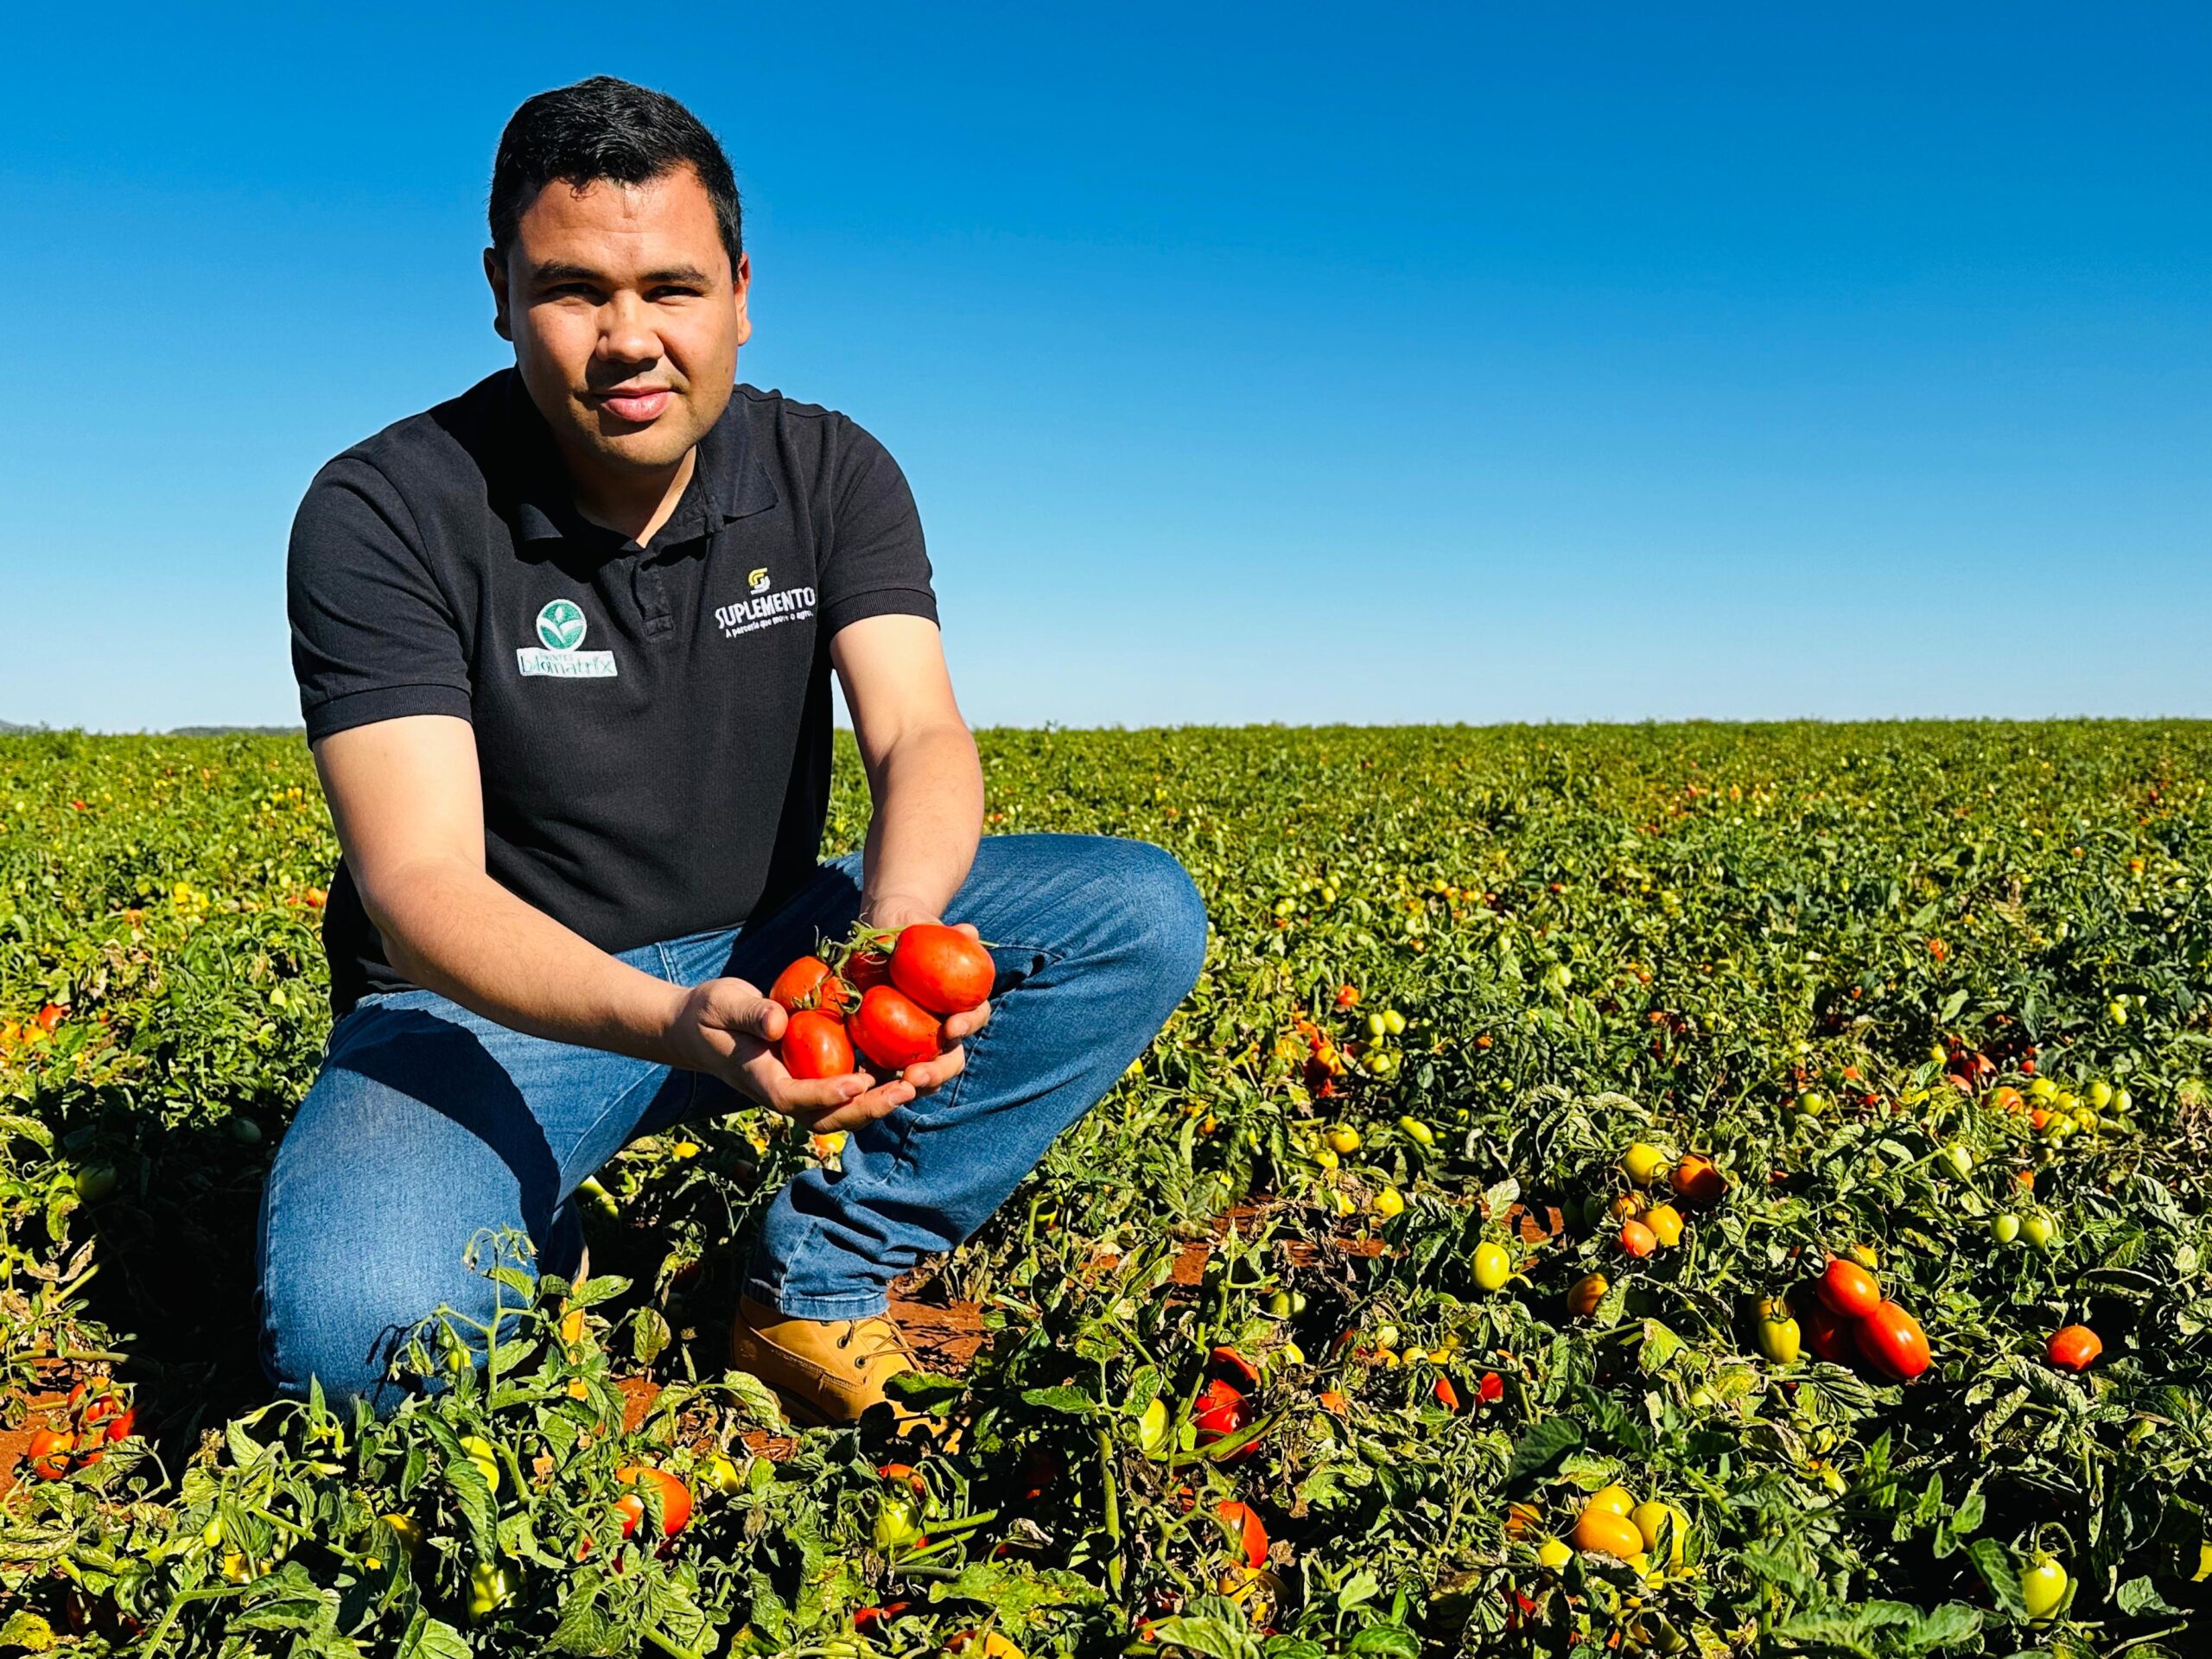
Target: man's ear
[[740, 285], [495, 272]]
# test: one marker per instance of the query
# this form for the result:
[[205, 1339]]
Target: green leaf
[[1362, 1586], [1208, 1635], [432, 1638], [1541, 1446], [1387, 1642], [925, 1390], [2139, 1596], [1994, 1562], [1073, 1401]]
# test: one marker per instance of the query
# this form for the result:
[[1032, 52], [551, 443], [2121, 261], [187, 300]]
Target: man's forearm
[[928, 793], [452, 929]]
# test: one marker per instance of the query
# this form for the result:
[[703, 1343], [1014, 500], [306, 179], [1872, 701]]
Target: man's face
[[625, 319]]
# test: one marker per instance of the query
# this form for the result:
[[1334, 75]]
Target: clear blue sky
[[1464, 362]]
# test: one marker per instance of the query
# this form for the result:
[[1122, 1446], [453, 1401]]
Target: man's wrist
[[896, 909]]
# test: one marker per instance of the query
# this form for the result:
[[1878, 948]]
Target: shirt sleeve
[[374, 638], [876, 564]]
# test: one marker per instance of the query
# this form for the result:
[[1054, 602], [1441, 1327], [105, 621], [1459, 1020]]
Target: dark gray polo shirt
[[652, 723]]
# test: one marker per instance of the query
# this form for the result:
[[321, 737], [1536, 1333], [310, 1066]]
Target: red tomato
[[1446, 1395], [674, 1499], [1251, 1535], [123, 1426], [892, 1029], [1849, 1289], [808, 983], [2074, 1346], [48, 1455], [1829, 1334], [815, 1046], [51, 1015], [941, 967], [1492, 1388], [866, 967], [1221, 1409], [1893, 1343]]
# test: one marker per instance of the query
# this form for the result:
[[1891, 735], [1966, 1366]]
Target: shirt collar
[[726, 483]]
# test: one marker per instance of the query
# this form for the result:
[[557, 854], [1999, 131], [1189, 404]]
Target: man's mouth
[[635, 403]]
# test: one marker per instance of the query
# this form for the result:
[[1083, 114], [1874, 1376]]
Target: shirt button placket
[[651, 589]]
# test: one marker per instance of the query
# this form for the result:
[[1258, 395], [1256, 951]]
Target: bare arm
[[925, 783], [406, 799]]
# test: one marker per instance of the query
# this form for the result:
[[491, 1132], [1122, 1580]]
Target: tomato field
[[1703, 1189]]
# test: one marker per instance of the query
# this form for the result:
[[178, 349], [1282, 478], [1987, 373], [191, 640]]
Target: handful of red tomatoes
[[884, 995]]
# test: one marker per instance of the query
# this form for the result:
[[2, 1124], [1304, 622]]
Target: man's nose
[[626, 333]]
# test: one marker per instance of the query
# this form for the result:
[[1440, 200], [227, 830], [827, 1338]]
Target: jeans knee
[[1162, 913], [344, 1330]]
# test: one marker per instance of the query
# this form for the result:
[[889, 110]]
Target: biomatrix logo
[[560, 624]]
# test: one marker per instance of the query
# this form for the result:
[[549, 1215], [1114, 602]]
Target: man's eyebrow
[[557, 271]]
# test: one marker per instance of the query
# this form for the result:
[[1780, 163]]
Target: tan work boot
[[826, 1372]]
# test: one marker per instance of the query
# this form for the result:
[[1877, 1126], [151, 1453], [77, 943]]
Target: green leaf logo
[[561, 625]]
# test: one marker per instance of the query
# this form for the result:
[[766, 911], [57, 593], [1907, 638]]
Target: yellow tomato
[[1666, 1224], [1642, 1163], [1601, 1532], [1616, 1499]]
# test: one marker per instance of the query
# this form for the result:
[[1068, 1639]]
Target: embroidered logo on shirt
[[764, 609], [562, 625]]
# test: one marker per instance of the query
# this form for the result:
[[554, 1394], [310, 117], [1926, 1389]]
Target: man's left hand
[[932, 1074]]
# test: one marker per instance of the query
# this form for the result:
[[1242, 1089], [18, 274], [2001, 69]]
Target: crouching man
[[563, 646]]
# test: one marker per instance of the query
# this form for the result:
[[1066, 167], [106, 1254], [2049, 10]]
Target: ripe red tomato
[[1251, 1534], [1221, 1409], [1849, 1289], [1829, 1334], [122, 1425], [674, 1499], [893, 1029], [1893, 1343], [2074, 1346], [48, 1455], [815, 1046], [866, 967], [808, 983], [941, 967]]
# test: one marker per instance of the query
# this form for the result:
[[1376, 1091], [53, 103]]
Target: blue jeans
[[427, 1123]]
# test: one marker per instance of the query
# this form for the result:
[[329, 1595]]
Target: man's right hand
[[729, 1030]]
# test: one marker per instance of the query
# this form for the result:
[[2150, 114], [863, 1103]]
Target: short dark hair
[[606, 129]]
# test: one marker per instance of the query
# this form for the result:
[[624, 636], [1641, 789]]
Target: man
[[563, 646]]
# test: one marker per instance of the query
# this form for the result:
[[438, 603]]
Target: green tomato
[[1393, 1022], [491, 1587], [1493, 1266], [2043, 1587], [2004, 1228], [2121, 1102], [2099, 1094], [896, 1523], [1376, 1028], [96, 1182], [2040, 1231], [480, 1451], [1154, 1435], [1279, 1305], [2116, 1011], [1959, 1160]]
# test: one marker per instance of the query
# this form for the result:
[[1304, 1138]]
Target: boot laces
[[878, 1336]]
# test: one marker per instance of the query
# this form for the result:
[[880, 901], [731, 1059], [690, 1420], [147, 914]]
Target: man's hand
[[894, 911], [729, 1030]]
